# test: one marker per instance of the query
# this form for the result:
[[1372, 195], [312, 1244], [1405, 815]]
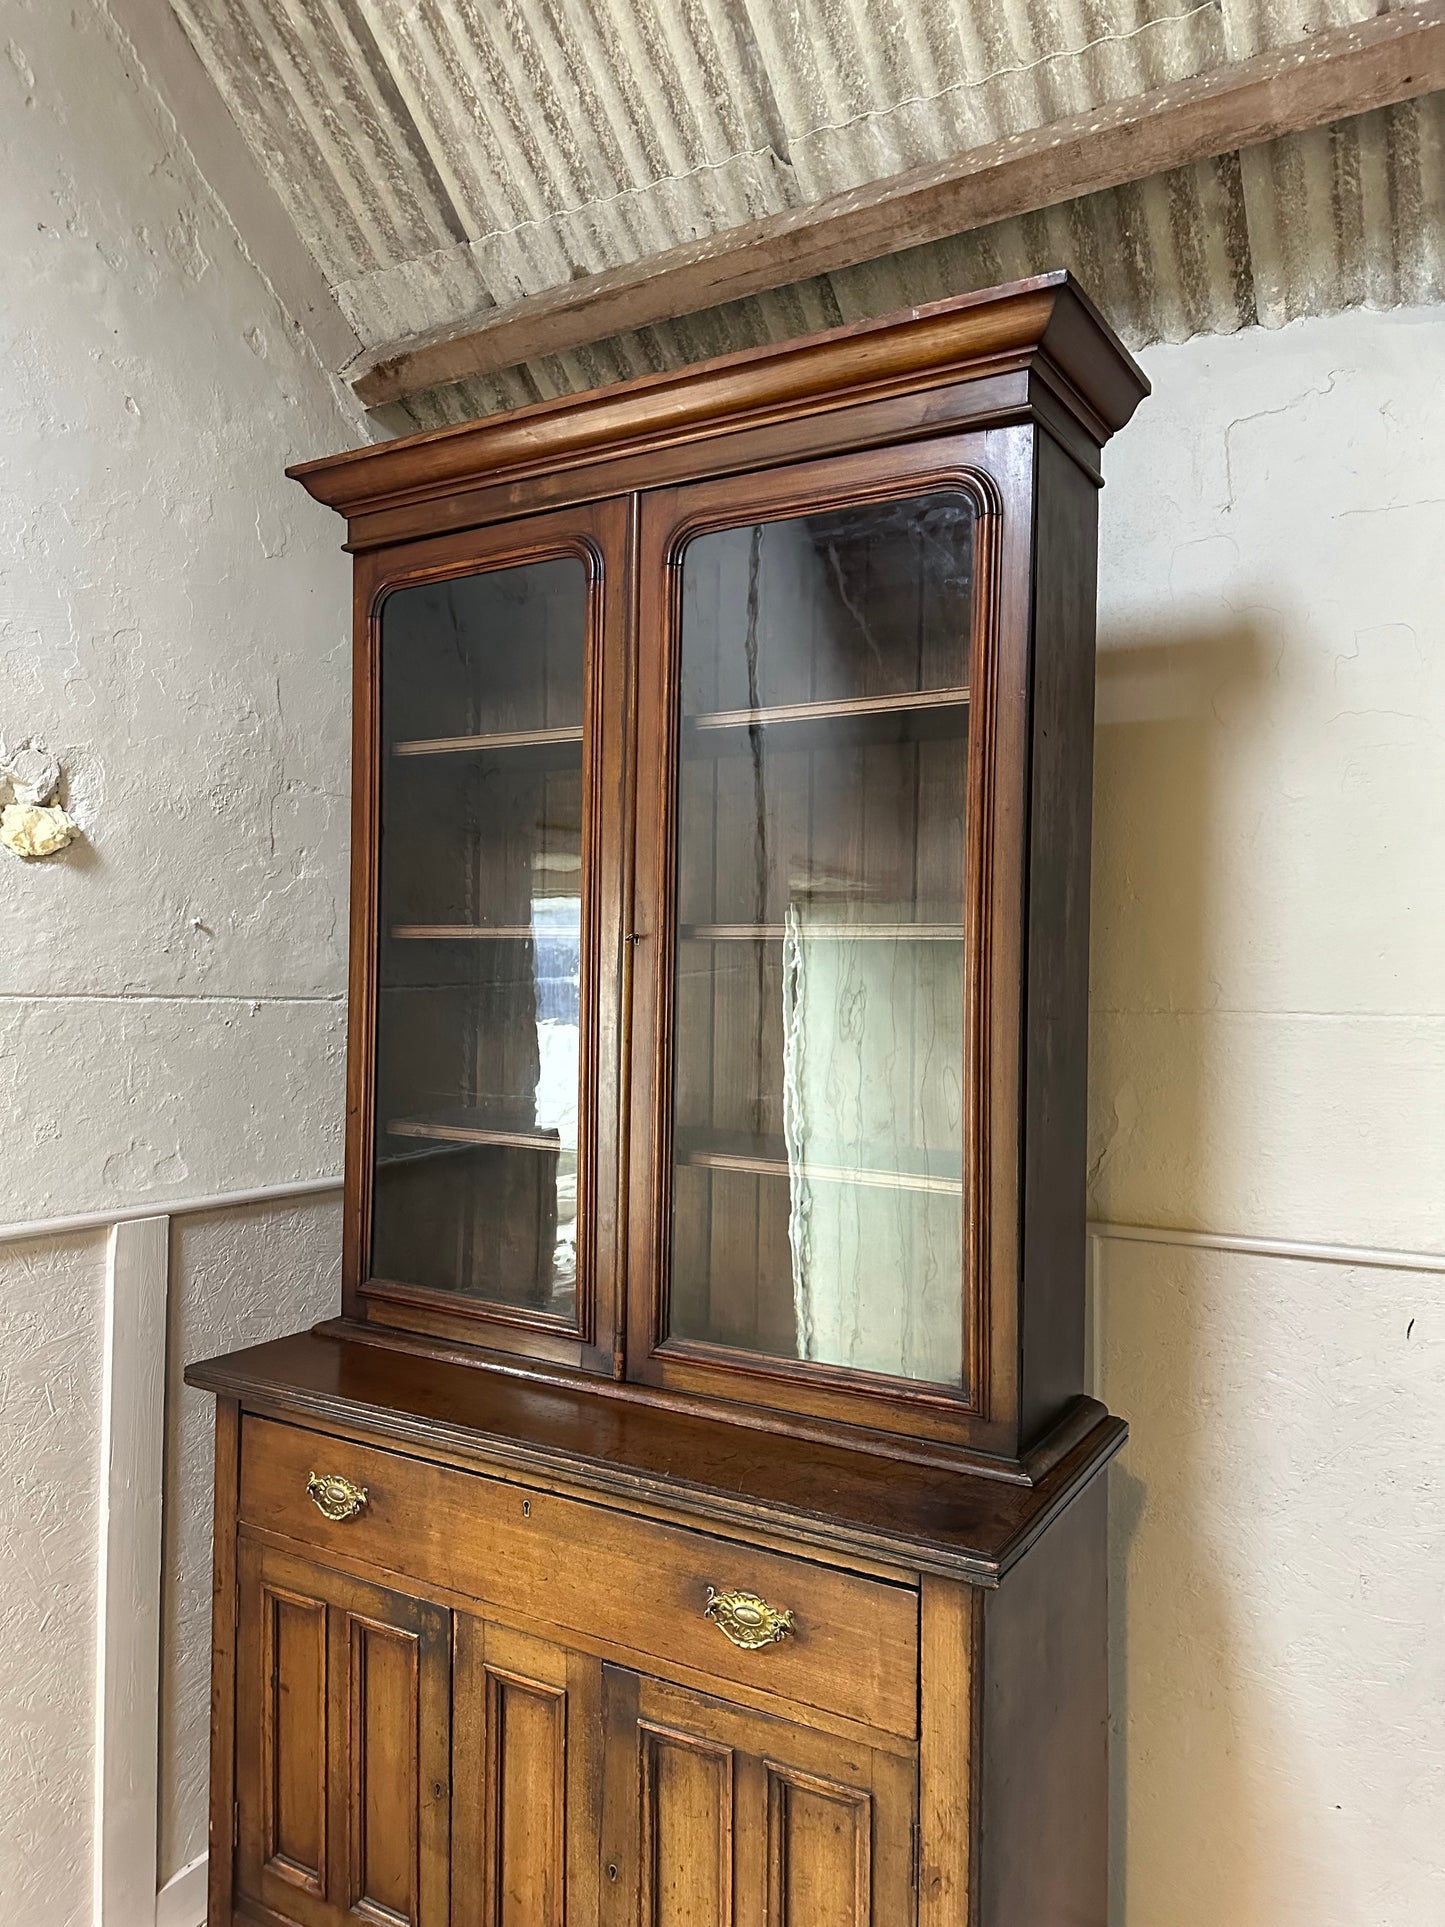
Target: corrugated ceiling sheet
[[440, 156]]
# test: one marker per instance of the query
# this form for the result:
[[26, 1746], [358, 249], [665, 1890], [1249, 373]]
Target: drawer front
[[639, 1586]]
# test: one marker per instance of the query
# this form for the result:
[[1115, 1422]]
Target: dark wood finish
[[1045, 323], [492, 1697], [832, 1497], [596, 533], [1043, 1742], [1327, 76], [1052, 1200], [670, 518]]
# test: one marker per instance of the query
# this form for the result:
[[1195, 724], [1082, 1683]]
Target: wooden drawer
[[632, 1584]]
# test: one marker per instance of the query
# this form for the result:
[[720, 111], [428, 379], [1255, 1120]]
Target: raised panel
[[526, 1801], [687, 1829], [383, 1786], [527, 1809], [293, 1738], [819, 1852]]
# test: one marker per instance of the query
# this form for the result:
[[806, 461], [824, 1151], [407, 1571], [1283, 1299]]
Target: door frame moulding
[[1328, 76]]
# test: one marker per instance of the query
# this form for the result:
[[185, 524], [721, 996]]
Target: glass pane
[[480, 947], [818, 1146]]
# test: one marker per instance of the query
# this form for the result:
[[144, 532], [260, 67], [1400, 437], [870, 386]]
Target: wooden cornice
[[1324, 77], [1047, 321]]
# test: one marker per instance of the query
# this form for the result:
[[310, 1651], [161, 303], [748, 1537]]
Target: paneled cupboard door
[[488, 1069], [716, 1817], [527, 1765], [810, 777], [343, 1747]]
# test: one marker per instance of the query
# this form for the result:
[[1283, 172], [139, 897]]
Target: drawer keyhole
[[526, 1508]]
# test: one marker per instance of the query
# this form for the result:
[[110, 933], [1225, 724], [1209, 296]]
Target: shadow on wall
[[1159, 769]]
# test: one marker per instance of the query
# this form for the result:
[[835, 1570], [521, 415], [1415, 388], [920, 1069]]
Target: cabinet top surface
[[1048, 319], [928, 1516]]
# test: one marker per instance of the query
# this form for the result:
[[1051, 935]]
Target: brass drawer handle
[[338, 1498], [748, 1621]]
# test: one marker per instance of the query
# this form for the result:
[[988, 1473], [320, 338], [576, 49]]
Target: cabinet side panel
[[1043, 1808], [1057, 986]]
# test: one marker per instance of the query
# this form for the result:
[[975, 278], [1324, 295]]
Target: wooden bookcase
[[694, 1514]]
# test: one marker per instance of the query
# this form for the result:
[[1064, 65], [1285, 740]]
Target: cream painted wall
[[1268, 1059], [172, 622]]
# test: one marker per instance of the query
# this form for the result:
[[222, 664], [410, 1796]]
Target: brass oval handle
[[747, 1620], [335, 1496]]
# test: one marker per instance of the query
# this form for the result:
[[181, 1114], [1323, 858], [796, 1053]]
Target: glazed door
[[486, 980], [527, 1760], [342, 1747], [716, 1817], [807, 1075]]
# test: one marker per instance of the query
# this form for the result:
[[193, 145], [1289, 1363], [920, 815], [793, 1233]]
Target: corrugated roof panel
[[440, 156]]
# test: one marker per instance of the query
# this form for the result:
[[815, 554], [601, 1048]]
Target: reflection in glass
[[480, 949], [818, 1124]]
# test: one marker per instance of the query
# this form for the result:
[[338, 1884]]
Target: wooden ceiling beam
[[1328, 76]]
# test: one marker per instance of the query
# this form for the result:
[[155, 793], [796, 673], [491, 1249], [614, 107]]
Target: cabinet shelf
[[510, 740], [839, 932], [909, 717], [462, 933], [907, 703], [475, 1127], [767, 1158]]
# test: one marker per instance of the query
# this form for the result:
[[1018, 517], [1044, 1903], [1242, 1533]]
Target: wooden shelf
[[841, 932], [909, 702], [462, 933], [916, 716], [461, 1127], [760, 1159], [506, 740]]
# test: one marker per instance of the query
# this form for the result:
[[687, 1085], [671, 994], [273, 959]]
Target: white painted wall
[[173, 621], [1268, 1058]]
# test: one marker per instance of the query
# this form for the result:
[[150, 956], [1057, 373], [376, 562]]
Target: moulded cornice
[[1047, 322]]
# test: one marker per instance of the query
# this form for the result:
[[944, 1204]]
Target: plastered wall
[[173, 624], [1268, 1040], [1268, 1060], [173, 621]]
